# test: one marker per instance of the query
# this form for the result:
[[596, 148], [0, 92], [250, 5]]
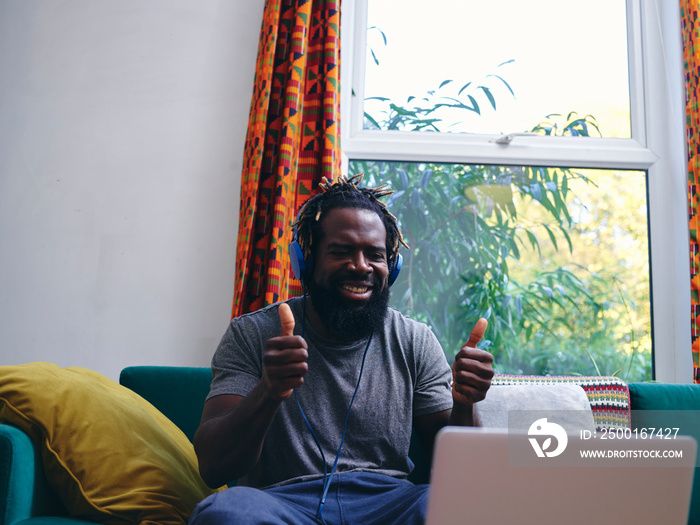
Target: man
[[313, 400]]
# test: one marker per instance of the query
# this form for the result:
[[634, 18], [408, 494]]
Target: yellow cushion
[[111, 456]]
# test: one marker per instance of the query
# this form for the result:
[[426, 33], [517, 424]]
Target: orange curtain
[[691, 57], [292, 142]]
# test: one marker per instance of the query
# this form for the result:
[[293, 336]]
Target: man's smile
[[356, 289]]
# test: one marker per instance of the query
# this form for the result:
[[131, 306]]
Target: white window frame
[[657, 146]]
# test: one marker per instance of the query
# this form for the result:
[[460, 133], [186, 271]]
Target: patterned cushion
[[609, 396]]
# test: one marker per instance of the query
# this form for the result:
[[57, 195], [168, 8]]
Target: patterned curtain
[[691, 57], [292, 142]]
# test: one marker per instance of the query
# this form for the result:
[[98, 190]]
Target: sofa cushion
[[664, 406], [567, 401], [178, 392], [109, 454], [609, 396], [664, 396]]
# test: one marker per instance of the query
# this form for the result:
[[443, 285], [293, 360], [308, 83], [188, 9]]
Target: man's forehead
[[362, 221]]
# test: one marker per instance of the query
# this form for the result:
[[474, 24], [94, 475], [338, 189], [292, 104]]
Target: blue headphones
[[303, 268]]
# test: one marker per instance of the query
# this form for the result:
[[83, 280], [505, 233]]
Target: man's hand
[[472, 370], [284, 358]]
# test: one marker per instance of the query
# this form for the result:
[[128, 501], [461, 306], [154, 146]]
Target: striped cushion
[[609, 396]]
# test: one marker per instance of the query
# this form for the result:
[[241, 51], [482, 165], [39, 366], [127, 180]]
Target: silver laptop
[[487, 476]]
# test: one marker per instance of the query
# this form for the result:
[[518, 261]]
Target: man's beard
[[345, 322]]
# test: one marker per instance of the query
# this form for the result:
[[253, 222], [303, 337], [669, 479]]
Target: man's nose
[[359, 263]]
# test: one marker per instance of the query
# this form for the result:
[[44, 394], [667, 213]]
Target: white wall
[[122, 125]]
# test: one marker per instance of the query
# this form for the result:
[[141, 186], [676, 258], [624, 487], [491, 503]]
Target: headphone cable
[[326, 477]]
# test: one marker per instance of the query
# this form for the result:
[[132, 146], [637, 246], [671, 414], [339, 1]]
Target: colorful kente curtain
[[691, 57], [292, 142]]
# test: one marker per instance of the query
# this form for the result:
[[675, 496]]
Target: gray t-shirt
[[405, 375]]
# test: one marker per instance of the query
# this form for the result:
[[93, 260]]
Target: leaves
[[489, 95], [427, 111]]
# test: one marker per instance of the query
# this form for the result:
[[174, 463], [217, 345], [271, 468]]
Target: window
[[514, 184], [502, 76]]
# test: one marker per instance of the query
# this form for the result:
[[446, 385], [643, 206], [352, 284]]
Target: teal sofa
[[179, 393]]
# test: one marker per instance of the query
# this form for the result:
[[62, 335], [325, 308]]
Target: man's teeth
[[356, 289]]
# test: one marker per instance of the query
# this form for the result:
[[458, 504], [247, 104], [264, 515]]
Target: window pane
[[556, 259], [520, 61]]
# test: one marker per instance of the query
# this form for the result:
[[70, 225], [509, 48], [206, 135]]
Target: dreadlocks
[[345, 193]]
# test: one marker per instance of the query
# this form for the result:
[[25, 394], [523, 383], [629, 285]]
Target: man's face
[[349, 290]]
